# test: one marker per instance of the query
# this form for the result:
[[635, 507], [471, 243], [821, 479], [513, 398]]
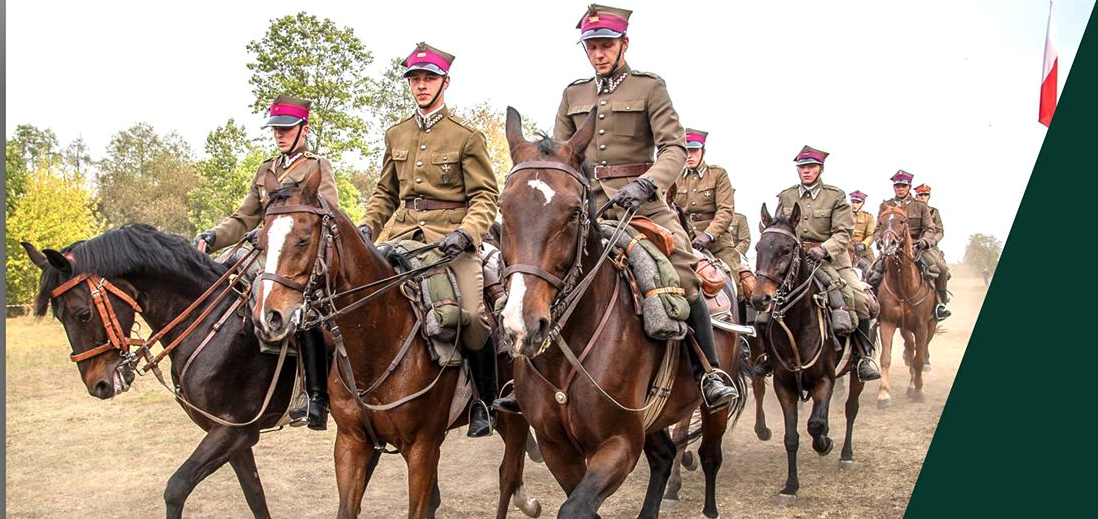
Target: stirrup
[[941, 312], [501, 403], [731, 385], [858, 373], [487, 412], [299, 413]]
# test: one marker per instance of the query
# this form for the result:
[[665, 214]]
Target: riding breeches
[[470, 279]]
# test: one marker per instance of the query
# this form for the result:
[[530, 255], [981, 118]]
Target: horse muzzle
[[118, 381], [274, 326]]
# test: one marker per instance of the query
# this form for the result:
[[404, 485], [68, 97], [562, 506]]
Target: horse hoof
[[916, 396], [669, 504], [531, 507], [785, 499], [884, 404], [704, 516], [827, 449], [689, 461], [926, 368], [846, 464], [764, 434]]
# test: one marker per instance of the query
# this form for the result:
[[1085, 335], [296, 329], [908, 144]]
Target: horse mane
[[132, 249]]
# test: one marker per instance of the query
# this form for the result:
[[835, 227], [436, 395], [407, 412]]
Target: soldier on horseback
[[864, 223], [826, 228], [438, 165], [925, 233], [636, 120], [289, 117]]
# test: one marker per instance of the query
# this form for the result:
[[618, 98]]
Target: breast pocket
[[630, 117], [578, 113], [820, 222], [446, 168], [400, 161], [707, 199]]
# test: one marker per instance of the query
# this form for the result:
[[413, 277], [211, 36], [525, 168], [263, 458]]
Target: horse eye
[[85, 316], [574, 215]]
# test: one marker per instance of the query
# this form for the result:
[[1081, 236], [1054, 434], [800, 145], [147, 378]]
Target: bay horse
[[582, 382], [798, 340], [96, 289], [317, 262], [907, 303]]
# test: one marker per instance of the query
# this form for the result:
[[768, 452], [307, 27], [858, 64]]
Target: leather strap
[[427, 204], [701, 217], [557, 283], [621, 171]]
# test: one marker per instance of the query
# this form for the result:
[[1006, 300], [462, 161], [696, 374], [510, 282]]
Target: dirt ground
[[70, 455]]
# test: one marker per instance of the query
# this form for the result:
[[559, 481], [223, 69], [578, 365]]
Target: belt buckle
[[415, 203]]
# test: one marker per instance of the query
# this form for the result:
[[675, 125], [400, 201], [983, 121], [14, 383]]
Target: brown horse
[[318, 268], [907, 303], [582, 382], [800, 345]]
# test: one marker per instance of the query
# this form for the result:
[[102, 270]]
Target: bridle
[[894, 254], [118, 337]]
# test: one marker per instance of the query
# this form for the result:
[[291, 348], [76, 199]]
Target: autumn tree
[[982, 252], [222, 178]]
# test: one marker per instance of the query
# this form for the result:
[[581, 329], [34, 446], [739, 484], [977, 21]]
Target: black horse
[[795, 333], [229, 378]]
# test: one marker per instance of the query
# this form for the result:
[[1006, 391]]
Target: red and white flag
[[1048, 75]]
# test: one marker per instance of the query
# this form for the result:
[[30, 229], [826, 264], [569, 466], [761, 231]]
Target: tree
[[15, 170], [77, 157], [982, 252], [303, 56], [54, 212], [222, 179], [38, 148], [494, 125], [145, 178]]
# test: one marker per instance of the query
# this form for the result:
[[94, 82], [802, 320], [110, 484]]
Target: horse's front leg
[[674, 484], [788, 400], [243, 463], [220, 444], [884, 393], [921, 338], [515, 431], [422, 459], [852, 396], [714, 426], [660, 451], [817, 420]]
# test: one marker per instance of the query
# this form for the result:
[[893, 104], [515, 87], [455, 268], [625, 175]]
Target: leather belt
[[622, 171], [702, 217], [426, 204]]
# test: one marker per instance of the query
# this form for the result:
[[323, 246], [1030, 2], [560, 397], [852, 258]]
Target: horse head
[[777, 256], [547, 214], [297, 236], [97, 316], [895, 237]]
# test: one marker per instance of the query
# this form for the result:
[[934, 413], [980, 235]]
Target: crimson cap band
[[922, 189], [902, 178], [695, 139], [286, 112], [858, 195], [428, 58], [601, 21], [810, 155]]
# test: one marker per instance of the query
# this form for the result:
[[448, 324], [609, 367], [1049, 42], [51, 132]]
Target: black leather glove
[[859, 247], [252, 237], [818, 253], [455, 243], [702, 241], [206, 237], [922, 244], [635, 193], [366, 233]]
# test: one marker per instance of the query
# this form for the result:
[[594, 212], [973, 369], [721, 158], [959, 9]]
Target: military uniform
[[864, 225], [707, 200], [937, 256], [438, 165], [740, 232]]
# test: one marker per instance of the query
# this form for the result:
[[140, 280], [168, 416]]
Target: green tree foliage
[[28, 148], [15, 171], [350, 197], [306, 57], [982, 252], [145, 177], [222, 178], [54, 212], [493, 123]]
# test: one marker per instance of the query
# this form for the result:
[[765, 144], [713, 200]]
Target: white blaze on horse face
[[543, 188], [276, 239], [512, 312]]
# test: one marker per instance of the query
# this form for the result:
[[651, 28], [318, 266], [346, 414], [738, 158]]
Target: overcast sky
[[947, 90]]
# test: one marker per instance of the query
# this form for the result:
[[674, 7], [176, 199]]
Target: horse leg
[[515, 431], [355, 461], [915, 390], [422, 459], [674, 484], [909, 349], [532, 448], [758, 386], [212, 452], [606, 471], [817, 419], [788, 401], [436, 500], [714, 426], [856, 386], [884, 396], [661, 452], [243, 463]]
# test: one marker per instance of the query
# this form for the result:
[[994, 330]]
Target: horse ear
[[59, 261], [795, 214], [766, 218], [36, 257], [270, 182], [583, 135], [515, 138]]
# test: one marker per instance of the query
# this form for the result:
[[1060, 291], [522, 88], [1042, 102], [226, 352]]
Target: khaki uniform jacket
[[233, 228], [825, 219], [919, 220], [709, 192], [864, 225], [634, 120], [447, 162], [741, 233], [936, 217]]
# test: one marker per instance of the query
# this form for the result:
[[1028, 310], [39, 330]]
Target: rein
[[897, 255]]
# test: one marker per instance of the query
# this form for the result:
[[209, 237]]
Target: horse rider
[[864, 223], [635, 121], [924, 234], [438, 165], [705, 195], [289, 117], [826, 228]]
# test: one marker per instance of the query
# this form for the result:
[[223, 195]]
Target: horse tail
[[740, 383]]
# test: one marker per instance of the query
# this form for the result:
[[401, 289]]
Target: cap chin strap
[[297, 137], [433, 99]]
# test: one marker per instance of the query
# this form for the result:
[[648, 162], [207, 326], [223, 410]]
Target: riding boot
[[864, 366], [315, 358], [715, 392], [940, 310], [482, 364]]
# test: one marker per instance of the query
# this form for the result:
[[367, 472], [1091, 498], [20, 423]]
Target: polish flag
[[1048, 76]]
